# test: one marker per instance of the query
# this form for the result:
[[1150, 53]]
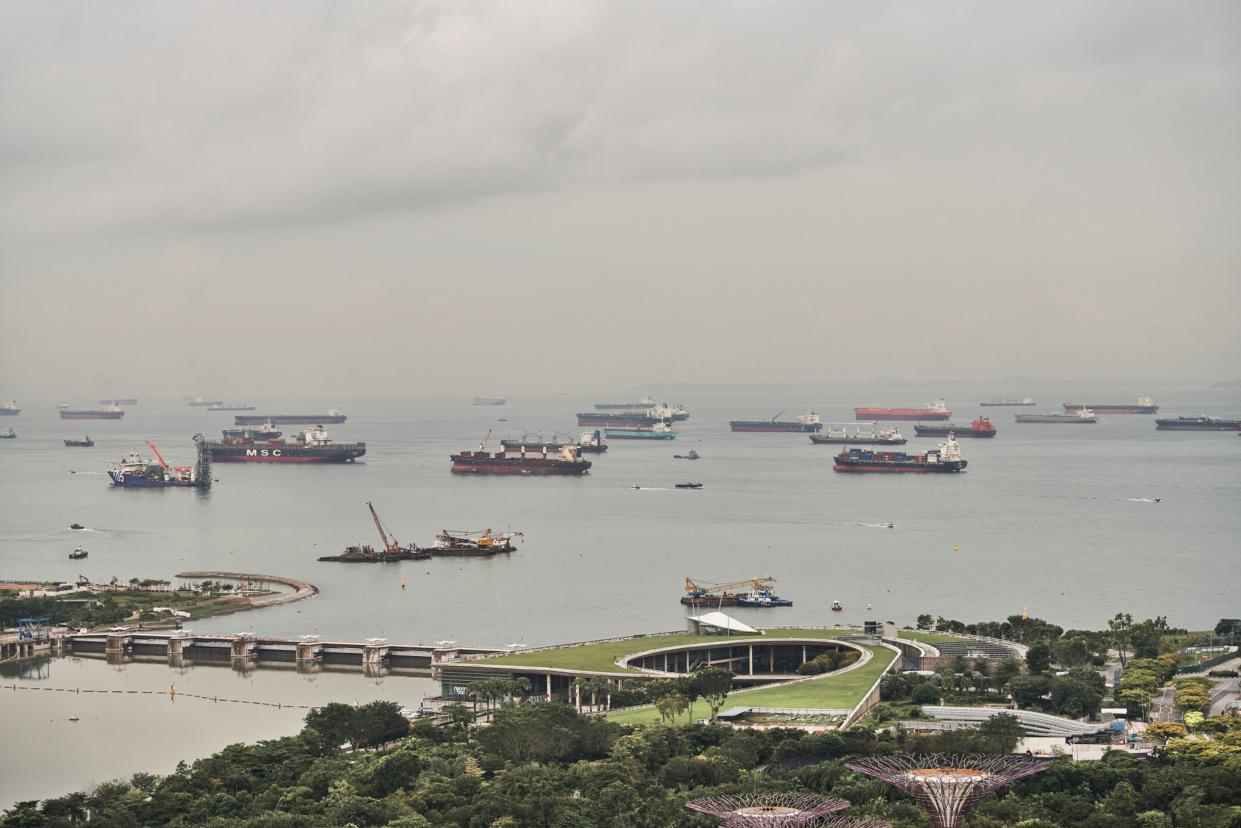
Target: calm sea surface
[[1056, 520]]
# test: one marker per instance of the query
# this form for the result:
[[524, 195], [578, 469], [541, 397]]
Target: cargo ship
[[473, 544], [659, 431], [937, 410], [756, 592], [392, 549], [805, 423], [10, 409], [1144, 405], [311, 446], [229, 407], [980, 427], [591, 442], [136, 472], [490, 400], [645, 402], [119, 401], [860, 436], [334, 416], [85, 442], [624, 419], [568, 460], [1203, 423], [946, 459], [999, 402], [199, 402], [112, 412], [1080, 415]]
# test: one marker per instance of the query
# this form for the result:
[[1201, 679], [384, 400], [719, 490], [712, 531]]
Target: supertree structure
[[757, 821], [948, 786], [774, 810]]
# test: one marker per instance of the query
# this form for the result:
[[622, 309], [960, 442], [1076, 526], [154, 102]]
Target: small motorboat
[[86, 441], [8, 434], [78, 553], [693, 455], [836, 607], [74, 718], [76, 526], [693, 485]]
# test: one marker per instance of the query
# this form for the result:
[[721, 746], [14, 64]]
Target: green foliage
[[1078, 693], [1038, 658], [925, 693], [1028, 691], [1002, 732], [925, 621]]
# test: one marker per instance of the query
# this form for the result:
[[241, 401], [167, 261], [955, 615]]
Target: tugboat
[[872, 436], [473, 544], [805, 423], [946, 459], [10, 409], [980, 427], [78, 553], [85, 442], [937, 410], [311, 446], [8, 434], [136, 472], [692, 455], [76, 526], [762, 598], [481, 462], [836, 606], [691, 485]]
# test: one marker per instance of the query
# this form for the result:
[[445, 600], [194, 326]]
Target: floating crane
[[482, 447], [159, 457], [757, 584], [391, 547]]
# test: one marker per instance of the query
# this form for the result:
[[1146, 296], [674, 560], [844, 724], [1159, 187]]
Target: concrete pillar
[[803, 658], [375, 654], [242, 647], [751, 659], [178, 644], [116, 643], [549, 686]]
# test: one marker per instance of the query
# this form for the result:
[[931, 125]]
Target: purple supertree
[[948, 786], [775, 810], [816, 822]]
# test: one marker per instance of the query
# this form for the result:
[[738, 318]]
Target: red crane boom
[[158, 456], [389, 546]]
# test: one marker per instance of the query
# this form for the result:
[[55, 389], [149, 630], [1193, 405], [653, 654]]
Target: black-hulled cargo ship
[[981, 427], [112, 412], [860, 436], [568, 460], [590, 442], [1077, 416], [1203, 423], [334, 416], [946, 459], [312, 446], [806, 423], [624, 419], [1144, 405]]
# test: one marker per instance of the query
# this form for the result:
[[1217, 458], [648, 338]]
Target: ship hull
[[91, 415], [518, 466], [489, 401], [1067, 420], [1217, 425], [871, 414], [945, 431], [947, 467], [823, 439], [132, 481], [10, 412], [343, 453], [616, 420], [469, 552], [623, 434], [1104, 408], [290, 419], [1005, 404], [779, 427], [414, 555]]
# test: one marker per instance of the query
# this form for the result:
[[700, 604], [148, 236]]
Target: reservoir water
[[1061, 521]]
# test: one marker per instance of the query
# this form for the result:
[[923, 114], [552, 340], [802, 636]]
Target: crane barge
[[392, 549], [754, 592]]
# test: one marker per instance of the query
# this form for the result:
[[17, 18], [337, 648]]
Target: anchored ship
[[980, 427], [1144, 405], [456, 543], [659, 431], [10, 409], [120, 401], [267, 431], [995, 402], [111, 412], [85, 442], [1080, 415], [229, 407], [334, 416], [568, 460], [591, 442], [624, 419], [136, 472], [946, 459], [199, 402], [860, 435], [937, 410], [490, 400], [805, 423], [1203, 423], [645, 402], [8, 434], [311, 446], [664, 411]]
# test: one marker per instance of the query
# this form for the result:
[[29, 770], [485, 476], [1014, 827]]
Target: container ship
[[490, 400], [1203, 423], [10, 409], [1080, 415], [623, 419], [126, 401], [995, 403], [333, 417], [473, 544], [659, 431], [1144, 405], [590, 442], [931, 411], [568, 460], [136, 472], [311, 446], [229, 407], [112, 412], [946, 459], [392, 549], [860, 436], [805, 423], [980, 427]]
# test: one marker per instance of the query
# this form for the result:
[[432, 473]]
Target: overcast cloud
[[441, 197]]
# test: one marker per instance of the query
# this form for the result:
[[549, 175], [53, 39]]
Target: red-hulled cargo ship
[[1144, 405], [333, 416], [312, 446], [981, 427], [805, 423], [946, 459], [931, 411], [112, 412], [568, 460]]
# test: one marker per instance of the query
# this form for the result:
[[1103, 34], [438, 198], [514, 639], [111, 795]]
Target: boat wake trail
[[652, 488], [886, 525], [1141, 499], [71, 471]]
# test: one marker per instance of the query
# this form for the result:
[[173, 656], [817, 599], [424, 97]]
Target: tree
[[1075, 696], [713, 685], [459, 716], [1120, 626], [1038, 658], [1005, 671], [925, 693], [1001, 732], [671, 706], [1146, 638], [1163, 731], [1072, 652], [1028, 691], [925, 621], [1192, 696]]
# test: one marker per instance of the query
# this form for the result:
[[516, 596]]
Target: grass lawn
[[837, 692], [602, 656]]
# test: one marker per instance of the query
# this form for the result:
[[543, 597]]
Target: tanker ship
[[805, 423], [591, 442], [1080, 415], [333, 416], [311, 446], [931, 411], [659, 431], [946, 459], [111, 412], [981, 427], [861, 436], [1144, 405], [10, 409], [120, 401], [135, 472], [624, 419], [507, 461], [1203, 423], [996, 402], [645, 402]]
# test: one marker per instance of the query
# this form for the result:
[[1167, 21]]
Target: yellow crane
[[756, 583]]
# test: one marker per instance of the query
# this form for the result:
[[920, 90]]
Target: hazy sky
[[501, 197]]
